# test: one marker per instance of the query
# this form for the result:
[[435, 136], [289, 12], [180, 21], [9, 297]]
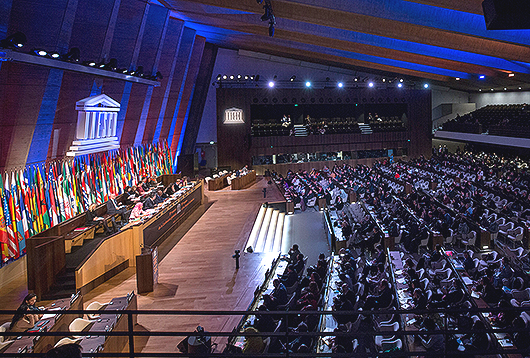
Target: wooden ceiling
[[438, 40]]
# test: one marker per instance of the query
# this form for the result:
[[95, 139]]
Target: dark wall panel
[[187, 94], [126, 32], [181, 68], [134, 111], [167, 66], [90, 27], [202, 85], [154, 27]]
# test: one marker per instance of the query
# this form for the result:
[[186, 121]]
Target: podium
[[147, 270]]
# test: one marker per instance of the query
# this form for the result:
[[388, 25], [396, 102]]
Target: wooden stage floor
[[197, 271]]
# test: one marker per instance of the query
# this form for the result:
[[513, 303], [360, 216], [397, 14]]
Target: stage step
[[64, 286], [365, 128], [255, 229], [300, 130], [267, 232], [260, 244]]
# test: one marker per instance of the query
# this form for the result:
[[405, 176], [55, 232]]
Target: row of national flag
[[40, 196]]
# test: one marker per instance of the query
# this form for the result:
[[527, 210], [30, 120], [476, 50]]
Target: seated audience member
[[419, 301], [381, 300], [279, 295], [299, 264], [137, 212], [290, 277], [253, 344], [264, 323], [521, 337], [71, 350], [478, 339], [130, 195], [469, 264], [503, 274], [504, 318], [93, 220], [488, 292], [431, 342], [26, 316], [340, 304], [293, 253]]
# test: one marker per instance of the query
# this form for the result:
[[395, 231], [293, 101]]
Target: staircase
[[64, 286], [267, 232], [300, 130], [365, 128]]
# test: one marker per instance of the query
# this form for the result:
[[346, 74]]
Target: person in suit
[[92, 220], [149, 203], [279, 294], [382, 300], [114, 208]]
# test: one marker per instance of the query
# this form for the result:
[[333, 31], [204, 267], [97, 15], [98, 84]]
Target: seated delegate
[[26, 316]]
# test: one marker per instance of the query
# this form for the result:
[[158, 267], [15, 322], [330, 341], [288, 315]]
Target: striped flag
[[53, 205], [4, 241], [12, 241]]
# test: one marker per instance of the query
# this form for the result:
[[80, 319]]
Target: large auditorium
[[264, 178]]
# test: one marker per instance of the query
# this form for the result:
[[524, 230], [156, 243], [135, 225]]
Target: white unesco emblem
[[233, 115]]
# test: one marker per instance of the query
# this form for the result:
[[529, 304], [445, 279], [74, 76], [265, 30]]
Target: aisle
[[198, 273], [307, 230]]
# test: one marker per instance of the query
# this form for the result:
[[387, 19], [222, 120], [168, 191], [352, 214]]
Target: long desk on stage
[[243, 181], [48, 323], [119, 251]]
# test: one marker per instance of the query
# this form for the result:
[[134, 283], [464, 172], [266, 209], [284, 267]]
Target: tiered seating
[[505, 120]]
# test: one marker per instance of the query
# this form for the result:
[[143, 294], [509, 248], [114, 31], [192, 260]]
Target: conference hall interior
[[276, 178]]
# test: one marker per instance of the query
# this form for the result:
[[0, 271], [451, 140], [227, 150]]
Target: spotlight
[[340, 84], [371, 84], [401, 80], [458, 78], [308, 84], [239, 77], [158, 75], [252, 77], [246, 77], [505, 88], [425, 85], [356, 79], [511, 74], [492, 89], [39, 52], [231, 77], [293, 77], [90, 63], [480, 89], [112, 65], [271, 84], [482, 77], [17, 40], [520, 88], [138, 72], [101, 64], [225, 77], [400, 85], [55, 55], [383, 80], [257, 78], [219, 77], [73, 55], [122, 70]]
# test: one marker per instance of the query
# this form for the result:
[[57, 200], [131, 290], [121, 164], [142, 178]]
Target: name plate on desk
[[170, 217]]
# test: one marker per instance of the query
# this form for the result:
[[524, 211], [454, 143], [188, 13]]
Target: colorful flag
[[8, 213], [4, 241]]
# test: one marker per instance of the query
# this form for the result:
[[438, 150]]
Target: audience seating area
[[455, 233], [511, 120]]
